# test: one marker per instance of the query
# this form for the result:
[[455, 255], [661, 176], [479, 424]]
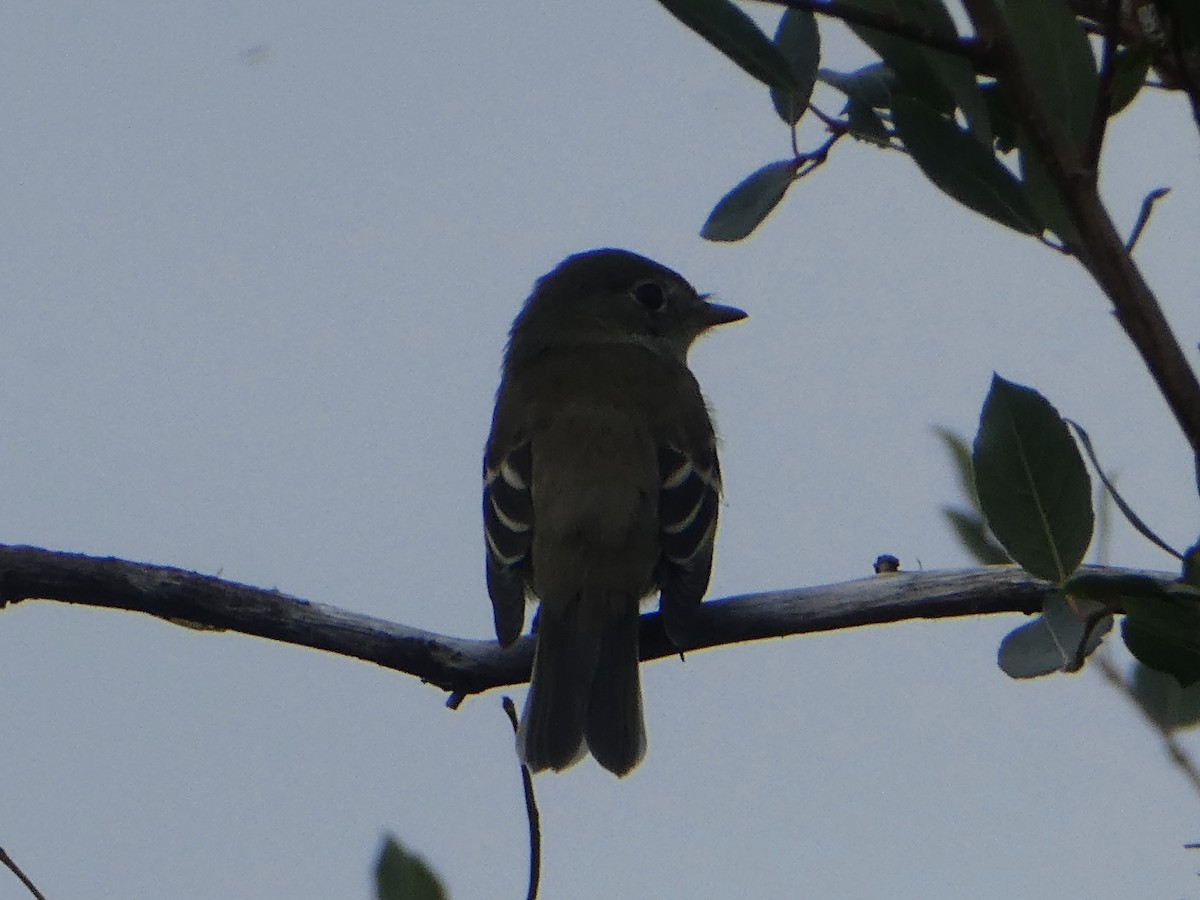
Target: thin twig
[[1090, 624], [1055, 245], [1144, 215], [841, 127], [807, 162], [531, 812], [16, 870], [1130, 516], [830, 122]]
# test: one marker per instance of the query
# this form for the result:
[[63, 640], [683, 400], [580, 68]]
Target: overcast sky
[[259, 263]]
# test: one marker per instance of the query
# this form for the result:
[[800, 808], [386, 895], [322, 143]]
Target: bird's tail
[[585, 686], [616, 730]]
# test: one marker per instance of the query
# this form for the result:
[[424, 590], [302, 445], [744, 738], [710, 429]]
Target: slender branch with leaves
[[1010, 122]]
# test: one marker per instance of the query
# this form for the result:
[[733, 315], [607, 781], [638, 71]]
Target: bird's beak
[[717, 314]]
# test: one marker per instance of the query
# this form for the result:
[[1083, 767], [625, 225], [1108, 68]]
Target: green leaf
[[401, 876], [1043, 195], [1129, 75], [1186, 18], [1163, 700], [1161, 626], [1187, 22], [1165, 636], [972, 531], [975, 538], [1114, 590], [942, 80], [741, 210], [1191, 566], [962, 167], [734, 33], [1058, 56], [1057, 641], [871, 85], [799, 43], [1003, 123], [1032, 483], [960, 454], [865, 124]]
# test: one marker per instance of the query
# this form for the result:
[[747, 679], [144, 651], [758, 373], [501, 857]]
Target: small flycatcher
[[601, 486]]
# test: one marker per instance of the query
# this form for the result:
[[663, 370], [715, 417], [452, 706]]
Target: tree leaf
[[1186, 15], [1185, 21], [1114, 590], [871, 85], [1163, 700], [865, 124], [741, 210], [401, 876], [942, 80], [1052, 642], [799, 43], [1043, 195], [734, 33], [1191, 566], [1003, 124], [962, 167], [969, 526], [1032, 483], [1129, 75], [975, 538], [960, 454], [1057, 53], [1165, 636]]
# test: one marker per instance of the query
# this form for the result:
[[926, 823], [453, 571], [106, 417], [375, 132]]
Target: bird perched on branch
[[601, 486]]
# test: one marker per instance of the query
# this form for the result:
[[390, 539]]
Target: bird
[[601, 485]]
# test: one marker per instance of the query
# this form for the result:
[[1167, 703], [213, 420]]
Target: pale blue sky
[[259, 264]]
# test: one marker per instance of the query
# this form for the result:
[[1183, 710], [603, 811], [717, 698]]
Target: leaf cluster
[[1010, 122], [1028, 496], [937, 96]]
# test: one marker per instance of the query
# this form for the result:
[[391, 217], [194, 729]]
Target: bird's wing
[[688, 501], [508, 530]]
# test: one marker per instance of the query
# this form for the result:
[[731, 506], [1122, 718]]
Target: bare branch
[[1144, 215], [807, 162], [207, 603], [531, 811], [8, 862], [463, 666]]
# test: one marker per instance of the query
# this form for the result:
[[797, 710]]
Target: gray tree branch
[[463, 666]]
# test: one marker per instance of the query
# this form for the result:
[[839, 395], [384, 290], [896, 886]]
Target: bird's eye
[[650, 295]]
